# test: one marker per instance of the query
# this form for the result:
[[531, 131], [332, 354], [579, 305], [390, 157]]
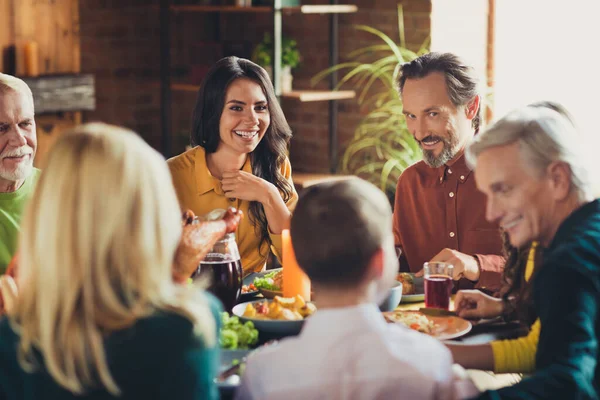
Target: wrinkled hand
[[245, 186], [197, 238], [465, 266], [475, 304], [232, 219]]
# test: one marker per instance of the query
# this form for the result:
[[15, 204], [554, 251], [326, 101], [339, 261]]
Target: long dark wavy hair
[[517, 293], [270, 154]]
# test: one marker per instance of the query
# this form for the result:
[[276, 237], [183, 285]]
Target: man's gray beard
[[22, 172], [446, 155]]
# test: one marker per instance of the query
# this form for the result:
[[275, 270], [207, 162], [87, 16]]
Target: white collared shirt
[[351, 353]]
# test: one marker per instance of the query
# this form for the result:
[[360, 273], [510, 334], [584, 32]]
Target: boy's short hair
[[336, 229]]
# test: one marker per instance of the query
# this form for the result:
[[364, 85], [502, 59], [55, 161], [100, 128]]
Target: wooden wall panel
[[6, 32], [49, 129], [54, 25]]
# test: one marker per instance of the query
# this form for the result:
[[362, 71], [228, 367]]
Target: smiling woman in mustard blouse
[[240, 158]]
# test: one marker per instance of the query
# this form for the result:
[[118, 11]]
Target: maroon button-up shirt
[[441, 207]]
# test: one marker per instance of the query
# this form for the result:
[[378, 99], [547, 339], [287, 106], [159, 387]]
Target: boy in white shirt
[[342, 236]]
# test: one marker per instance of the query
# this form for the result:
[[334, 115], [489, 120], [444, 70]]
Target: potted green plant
[[382, 146], [290, 58]]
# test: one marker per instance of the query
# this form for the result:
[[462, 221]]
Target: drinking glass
[[223, 268], [438, 284]]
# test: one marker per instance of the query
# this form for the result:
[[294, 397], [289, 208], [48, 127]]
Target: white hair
[[544, 136], [9, 82]]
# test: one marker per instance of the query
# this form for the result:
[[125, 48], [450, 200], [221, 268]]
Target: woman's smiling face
[[245, 118]]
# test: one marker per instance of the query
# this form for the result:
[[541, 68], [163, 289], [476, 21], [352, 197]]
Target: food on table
[[235, 335], [281, 308], [249, 288], [412, 319], [408, 284], [271, 281]]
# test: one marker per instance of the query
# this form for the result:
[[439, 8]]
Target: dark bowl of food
[[279, 317], [393, 298]]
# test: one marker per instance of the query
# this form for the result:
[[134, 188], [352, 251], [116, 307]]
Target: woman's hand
[[197, 238], [245, 186], [475, 304]]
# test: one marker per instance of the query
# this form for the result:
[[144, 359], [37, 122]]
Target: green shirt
[[11, 210], [159, 357], [566, 295]]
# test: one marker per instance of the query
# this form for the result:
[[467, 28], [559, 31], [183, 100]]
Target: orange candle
[[31, 53], [295, 280]]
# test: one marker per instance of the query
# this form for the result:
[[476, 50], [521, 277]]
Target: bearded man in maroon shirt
[[439, 215]]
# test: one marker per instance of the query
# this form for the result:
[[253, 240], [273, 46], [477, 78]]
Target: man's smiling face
[[441, 129], [18, 140]]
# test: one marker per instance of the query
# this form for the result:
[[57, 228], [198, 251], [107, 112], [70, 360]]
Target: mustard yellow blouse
[[518, 355], [200, 192]]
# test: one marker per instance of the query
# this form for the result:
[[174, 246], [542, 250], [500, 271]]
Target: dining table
[[481, 332]]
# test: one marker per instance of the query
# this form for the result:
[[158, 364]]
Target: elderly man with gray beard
[[18, 144], [534, 168]]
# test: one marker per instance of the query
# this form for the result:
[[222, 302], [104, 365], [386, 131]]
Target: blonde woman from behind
[[98, 314]]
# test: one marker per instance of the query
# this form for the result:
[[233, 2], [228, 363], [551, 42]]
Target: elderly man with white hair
[[533, 168], [18, 144]]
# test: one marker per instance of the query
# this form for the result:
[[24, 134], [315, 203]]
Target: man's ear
[[376, 264], [559, 174], [473, 107]]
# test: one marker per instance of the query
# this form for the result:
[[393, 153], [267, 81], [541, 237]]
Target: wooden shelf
[[227, 9], [306, 179], [62, 92], [184, 87], [302, 95], [328, 9], [308, 9], [319, 95]]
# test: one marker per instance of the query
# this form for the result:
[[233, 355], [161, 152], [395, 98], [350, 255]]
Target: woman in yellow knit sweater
[[240, 159]]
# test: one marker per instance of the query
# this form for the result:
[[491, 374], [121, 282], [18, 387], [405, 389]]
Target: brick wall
[[119, 43], [309, 121]]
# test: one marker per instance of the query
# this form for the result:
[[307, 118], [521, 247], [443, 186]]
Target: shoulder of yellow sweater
[[184, 160]]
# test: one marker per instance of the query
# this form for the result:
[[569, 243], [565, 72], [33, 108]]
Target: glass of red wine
[[438, 284], [223, 268]]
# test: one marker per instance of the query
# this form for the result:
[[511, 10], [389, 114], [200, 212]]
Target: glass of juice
[[223, 268], [438, 284]]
